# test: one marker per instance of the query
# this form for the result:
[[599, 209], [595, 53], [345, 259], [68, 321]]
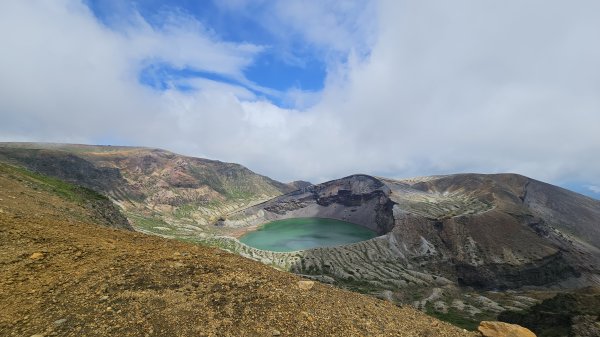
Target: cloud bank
[[412, 88]]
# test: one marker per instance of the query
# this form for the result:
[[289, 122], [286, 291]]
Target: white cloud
[[595, 189], [332, 24], [332, 27], [466, 86], [66, 77], [423, 87], [183, 42]]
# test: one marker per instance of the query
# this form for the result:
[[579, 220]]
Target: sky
[[315, 89]]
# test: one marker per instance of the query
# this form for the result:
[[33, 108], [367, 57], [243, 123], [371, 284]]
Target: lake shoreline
[[302, 233]]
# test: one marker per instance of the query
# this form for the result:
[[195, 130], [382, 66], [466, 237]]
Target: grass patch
[[459, 318], [68, 191], [185, 211], [455, 318], [147, 223], [239, 194]]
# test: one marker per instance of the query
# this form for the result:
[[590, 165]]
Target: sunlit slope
[[161, 191]]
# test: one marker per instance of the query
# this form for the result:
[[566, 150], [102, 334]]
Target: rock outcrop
[[500, 329]]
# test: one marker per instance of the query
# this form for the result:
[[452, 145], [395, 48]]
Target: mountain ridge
[[153, 186]]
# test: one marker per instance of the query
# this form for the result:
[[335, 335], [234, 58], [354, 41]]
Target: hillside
[[82, 204], [462, 247], [566, 314], [63, 274], [483, 231], [161, 192], [447, 244]]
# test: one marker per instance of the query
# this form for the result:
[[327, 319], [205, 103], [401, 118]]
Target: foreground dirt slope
[[62, 275]]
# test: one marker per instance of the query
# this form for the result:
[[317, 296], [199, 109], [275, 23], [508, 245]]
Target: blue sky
[[314, 89], [285, 63]]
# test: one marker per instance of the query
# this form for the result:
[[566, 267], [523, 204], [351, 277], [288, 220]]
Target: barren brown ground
[[61, 275]]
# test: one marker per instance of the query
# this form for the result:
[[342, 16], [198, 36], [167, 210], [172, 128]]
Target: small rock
[[36, 256], [109, 309], [60, 321], [306, 285], [500, 329], [276, 333], [104, 298], [38, 335]]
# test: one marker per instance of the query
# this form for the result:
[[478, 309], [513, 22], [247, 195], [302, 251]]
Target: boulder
[[37, 256], [306, 285], [501, 329]]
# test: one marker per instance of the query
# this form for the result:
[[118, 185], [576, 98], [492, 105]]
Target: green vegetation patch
[[554, 316], [185, 211], [68, 191], [459, 318], [148, 223]]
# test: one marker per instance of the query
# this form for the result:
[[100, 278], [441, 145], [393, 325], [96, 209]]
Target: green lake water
[[303, 233]]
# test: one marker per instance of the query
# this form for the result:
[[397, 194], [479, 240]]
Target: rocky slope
[[441, 236], [299, 184], [87, 205], [61, 274], [161, 192], [575, 314], [484, 231]]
